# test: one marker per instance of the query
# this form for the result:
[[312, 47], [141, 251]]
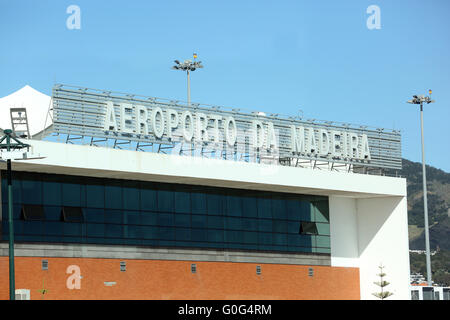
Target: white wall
[[367, 232]]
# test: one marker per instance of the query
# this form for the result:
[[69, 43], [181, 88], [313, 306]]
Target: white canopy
[[37, 106]]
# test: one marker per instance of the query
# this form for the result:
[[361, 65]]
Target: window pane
[[323, 228], [113, 195], [95, 215], [279, 208], [182, 202], [199, 221], [234, 206], [96, 230], [95, 196], [215, 222], [198, 201], [249, 208], [198, 235], [265, 225], [52, 193], [182, 234], [279, 226], [322, 211], [132, 218], [149, 218], [130, 192], [165, 201], [148, 199], [165, 219], [215, 203], [264, 208], [71, 194], [233, 223], [32, 191], [113, 216], [113, 231], [182, 220], [249, 224]]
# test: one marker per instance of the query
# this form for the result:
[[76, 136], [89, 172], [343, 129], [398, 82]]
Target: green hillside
[[438, 195]]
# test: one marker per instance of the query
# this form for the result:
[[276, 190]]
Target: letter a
[[374, 21], [74, 20], [74, 280]]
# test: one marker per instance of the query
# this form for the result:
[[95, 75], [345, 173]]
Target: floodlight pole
[[188, 89], [188, 66], [425, 201], [420, 100], [8, 146]]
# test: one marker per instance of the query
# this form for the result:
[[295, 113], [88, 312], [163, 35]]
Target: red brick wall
[[161, 279]]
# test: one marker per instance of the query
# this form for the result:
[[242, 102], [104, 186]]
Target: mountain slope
[[438, 196]]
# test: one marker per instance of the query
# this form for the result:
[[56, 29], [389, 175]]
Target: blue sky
[[272, 56]]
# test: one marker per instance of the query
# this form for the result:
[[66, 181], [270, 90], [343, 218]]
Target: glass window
[[165, 219], [95, 196], [166, 233], [113, 195], [182, 220], [199, 235], [165, 201], [249, 207], [51, 193], [264, 208], [167, 215], [96, 230], [148, 199], [265, 225], [233, 223], [113, 231], [215, 222], [182, 201], [198, 201], [130, 193], [215, 235], [322, 211], [95, 215], [250, 237], [113, 216], [323, 228], [71, 194], [279, 226], [233, 236], [32, 191], [182, 234], [132, 217], [215, 203], [199, 221], [149, 218], [249, 224], [234, 206], [279, 208]]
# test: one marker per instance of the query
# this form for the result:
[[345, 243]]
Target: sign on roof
[[225, 132]]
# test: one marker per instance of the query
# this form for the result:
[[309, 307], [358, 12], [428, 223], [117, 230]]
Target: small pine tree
[[382, 283]]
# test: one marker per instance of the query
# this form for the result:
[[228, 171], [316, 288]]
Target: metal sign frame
[[82, 112]]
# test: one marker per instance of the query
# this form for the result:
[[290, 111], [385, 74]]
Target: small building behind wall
[[125, 224]]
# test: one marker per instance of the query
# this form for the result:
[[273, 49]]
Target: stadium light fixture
[[188, 66]]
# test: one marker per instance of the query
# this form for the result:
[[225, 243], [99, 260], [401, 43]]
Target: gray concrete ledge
[[147, 253]]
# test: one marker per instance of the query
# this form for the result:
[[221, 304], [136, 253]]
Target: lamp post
[[188, 66], [421, 100], [11, 147]]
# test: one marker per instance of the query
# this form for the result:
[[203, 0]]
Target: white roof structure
[[36, 104]]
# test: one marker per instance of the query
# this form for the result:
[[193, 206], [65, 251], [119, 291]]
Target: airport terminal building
[[130, 197]]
